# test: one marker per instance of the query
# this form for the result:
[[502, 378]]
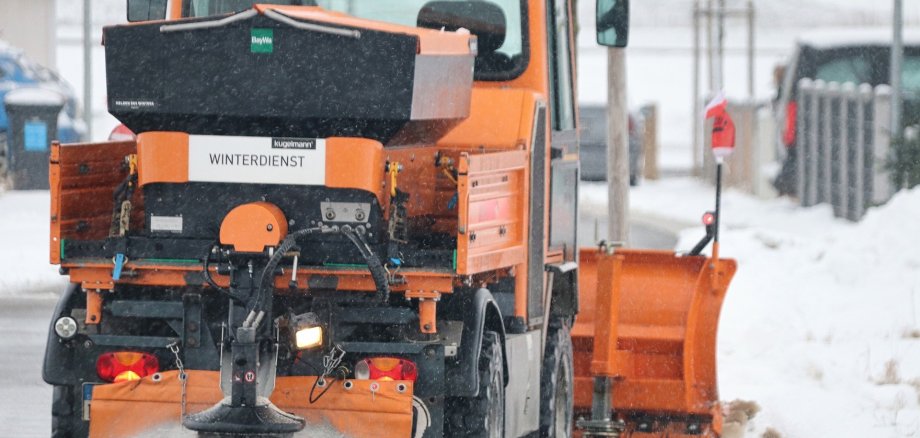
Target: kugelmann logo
[[261, 40]]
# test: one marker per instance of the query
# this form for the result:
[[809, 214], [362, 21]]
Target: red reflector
[[120, 366], [792, 110], [709, 218], [389, 368]]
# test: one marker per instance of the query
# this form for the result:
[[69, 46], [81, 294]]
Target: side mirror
[[613, 23], [146, 10]]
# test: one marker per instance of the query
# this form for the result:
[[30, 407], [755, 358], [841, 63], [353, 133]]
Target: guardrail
[[842, 146]]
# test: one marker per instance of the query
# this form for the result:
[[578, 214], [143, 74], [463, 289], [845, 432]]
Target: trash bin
[[32, 114]]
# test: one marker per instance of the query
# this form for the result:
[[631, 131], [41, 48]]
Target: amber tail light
[[120, 366]]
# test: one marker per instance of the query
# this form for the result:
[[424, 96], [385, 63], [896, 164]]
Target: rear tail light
[[386, 368], [792, 110], [121, 366]]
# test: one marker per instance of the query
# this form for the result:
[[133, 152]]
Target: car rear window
[[910, 74], [849, 69]]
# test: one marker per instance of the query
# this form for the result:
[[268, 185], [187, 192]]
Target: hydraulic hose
[[378, 272], [267, 273], [374, 264]]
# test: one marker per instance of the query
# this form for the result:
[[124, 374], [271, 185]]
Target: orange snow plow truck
[[358, 218]]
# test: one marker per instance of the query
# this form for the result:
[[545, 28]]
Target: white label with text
[[257, 160]]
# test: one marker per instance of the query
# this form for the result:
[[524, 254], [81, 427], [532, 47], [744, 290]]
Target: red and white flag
[[723, 128]]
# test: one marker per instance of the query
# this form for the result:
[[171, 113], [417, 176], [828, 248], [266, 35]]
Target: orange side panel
[[83, 177], [664, 325], [355, 163], [147, 408], [495, 120], [492, 211], [162, 157]]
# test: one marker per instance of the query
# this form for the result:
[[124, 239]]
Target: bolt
[[192, 327], [359, 215], [330, 214], [88, 344], [92, 318], [191, 342], [428, 326], [269, 227]]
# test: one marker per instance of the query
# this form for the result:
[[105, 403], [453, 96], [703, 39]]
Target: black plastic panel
[[303, 84]]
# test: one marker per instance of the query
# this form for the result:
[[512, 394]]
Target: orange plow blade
[[649, 320], [152, 408]]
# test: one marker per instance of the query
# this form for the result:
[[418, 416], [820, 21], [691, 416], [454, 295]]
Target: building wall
[[29, 25]]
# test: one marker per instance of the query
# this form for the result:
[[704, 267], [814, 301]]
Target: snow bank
[[821, 325], [24, 266]]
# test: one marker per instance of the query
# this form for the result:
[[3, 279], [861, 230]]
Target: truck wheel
[[556, 395], [482, 416], [67, 414]]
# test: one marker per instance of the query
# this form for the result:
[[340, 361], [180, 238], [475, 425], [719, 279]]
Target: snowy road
[[25, 400]]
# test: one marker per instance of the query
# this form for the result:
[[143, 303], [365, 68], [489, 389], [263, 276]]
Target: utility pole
[[720, 49], [617, 147], [710, 58], [697, 148], [88, 68], [750, 49], [897, 55]]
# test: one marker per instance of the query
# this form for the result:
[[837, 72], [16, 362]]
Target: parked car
[[17, 71], [858, 56], [593, 144]]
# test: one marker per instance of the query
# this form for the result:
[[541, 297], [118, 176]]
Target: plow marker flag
[[723, 128]]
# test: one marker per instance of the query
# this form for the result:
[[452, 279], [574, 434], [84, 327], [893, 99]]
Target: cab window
[[501, 54], [563, 105]]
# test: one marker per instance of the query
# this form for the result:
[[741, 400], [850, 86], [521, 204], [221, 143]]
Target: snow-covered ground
[[821, 325]]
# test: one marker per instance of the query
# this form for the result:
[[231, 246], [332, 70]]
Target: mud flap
[[151, 407]]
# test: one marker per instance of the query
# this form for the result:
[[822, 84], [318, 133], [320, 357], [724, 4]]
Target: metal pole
[[88, 68], [804, 128], [710, 59], [617, 147], [750, 49], [697, 159], [897, 54], [882, 187], [720, 47]]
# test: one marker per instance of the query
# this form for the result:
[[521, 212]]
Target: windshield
[[499, 61]]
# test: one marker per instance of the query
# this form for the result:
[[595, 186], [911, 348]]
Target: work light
[[307, 331]]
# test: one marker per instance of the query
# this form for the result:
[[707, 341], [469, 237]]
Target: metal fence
[[842, 146]]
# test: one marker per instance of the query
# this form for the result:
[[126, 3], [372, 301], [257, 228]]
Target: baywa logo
[[293, 143], [261, 40]]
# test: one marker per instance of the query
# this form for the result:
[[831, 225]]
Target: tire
[[67, 413], [482, 416], [557, 382]]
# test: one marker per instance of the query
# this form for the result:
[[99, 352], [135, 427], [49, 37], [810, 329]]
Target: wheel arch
[[57, 367], [479, 313]]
